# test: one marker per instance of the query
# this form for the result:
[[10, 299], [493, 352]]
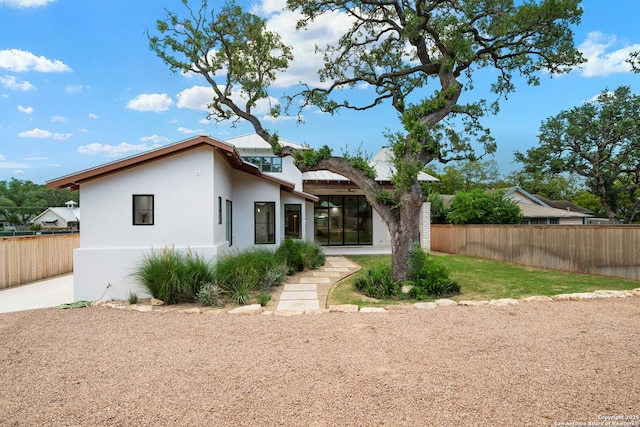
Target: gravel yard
[[537, 363]]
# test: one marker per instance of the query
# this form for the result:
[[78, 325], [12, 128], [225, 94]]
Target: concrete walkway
[[43, 294], [309, 290]]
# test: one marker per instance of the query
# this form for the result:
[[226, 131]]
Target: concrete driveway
[[43, 294]]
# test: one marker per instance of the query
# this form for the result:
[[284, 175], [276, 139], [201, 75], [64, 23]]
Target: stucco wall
[[183, 197], [248, 189], [185, 189]]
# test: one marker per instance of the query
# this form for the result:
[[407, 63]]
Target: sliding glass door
[[343, 220]]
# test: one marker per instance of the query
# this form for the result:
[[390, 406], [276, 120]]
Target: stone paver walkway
[[309, 290]]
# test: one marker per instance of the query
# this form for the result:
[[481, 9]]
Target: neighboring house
[[537, 211], [210, 197], [60, 218]]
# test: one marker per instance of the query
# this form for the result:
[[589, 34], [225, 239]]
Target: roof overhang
[[74, 181]]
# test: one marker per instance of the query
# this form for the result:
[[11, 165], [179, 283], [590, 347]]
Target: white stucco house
[[211, 197]]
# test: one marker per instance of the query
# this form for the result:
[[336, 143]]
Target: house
[[210, 197], [537, 211], [59, 218], [342, 216]]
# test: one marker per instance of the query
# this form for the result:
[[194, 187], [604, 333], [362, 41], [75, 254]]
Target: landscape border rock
[[253, 309]]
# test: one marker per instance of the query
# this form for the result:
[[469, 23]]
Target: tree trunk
[[405, 234]]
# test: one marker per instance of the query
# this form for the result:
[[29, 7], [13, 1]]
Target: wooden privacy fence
[[609, 250], [32, 258]]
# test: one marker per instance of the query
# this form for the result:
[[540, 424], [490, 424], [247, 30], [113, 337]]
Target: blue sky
[[79, 86]]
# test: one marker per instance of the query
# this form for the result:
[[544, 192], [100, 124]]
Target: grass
[[486, 280]]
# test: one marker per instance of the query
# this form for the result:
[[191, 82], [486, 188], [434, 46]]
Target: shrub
[[264, 298], [377, 282], [133, 298], [300, 254], [240, 274], [172, 276], [428, 276], [274, 276], [210, 294]]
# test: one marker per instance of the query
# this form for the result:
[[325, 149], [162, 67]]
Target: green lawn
[[482, 279]]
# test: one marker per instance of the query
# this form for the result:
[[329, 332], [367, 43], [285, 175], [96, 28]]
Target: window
[[143, 209], [219, 210], [343, 220], [554, 221], [265, 164], [264, 222], [293, 221], [228, 224]]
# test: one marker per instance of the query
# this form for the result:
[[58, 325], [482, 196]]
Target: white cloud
[[195, 97], [326, 29], [111, 150], [44, 134], [75, 88], [20, 60], [11, 165], [601, 59], [156, 139], [35, 159], [189, 131], [58, 119], [10, 82], [198, 97], [35, 133], [93, 116], [62, 136], [26, 110], [25, 3], [156, 102]]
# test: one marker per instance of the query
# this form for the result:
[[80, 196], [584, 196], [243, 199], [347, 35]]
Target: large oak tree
[[416, 56], [600, 141]]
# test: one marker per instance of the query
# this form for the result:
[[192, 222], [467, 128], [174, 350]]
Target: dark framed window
[[229, 223], [143, 209], [264, 214], [293, 221], [219, 210], [266, 163]]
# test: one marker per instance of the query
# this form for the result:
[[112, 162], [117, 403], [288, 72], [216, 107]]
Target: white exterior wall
[[381, 236], [308, 218], [248, 189], [185, 195]]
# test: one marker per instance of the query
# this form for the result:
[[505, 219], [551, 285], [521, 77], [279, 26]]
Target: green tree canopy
[[483, 207], [417, 57], [20, 200], [599, 141], [466, 175]]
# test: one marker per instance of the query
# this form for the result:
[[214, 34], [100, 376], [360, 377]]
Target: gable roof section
[[66, 214], [254, 142], [565, 204], [381, 163], [74, 181], [510, 191]]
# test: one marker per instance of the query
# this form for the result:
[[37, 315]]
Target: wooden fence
[[609, 250], [32, 258]]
